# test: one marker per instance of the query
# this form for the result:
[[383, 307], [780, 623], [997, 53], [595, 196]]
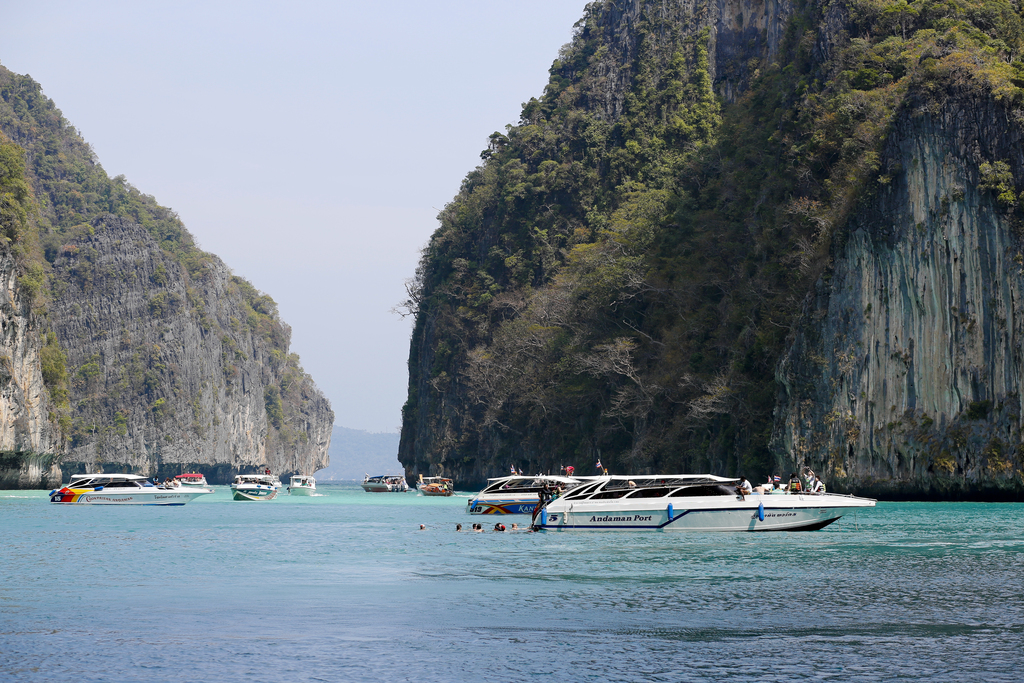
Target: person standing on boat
[[543, 496], [809, 478], [794, 483]]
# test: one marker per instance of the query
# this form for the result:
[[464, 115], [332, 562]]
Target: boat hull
[[262, 493], [436, 491], [302, 490], [516, 506], [383, 488], [134, 497], [752, 513]]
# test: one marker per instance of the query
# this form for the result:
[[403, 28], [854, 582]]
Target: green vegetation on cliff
[[617, 280]]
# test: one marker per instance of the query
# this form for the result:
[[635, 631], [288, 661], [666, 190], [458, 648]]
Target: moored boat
[[122, 489], [689, 503], [191, 479], [385, 483], [435, 486], [255, 487], [302, 485], [518, 494]]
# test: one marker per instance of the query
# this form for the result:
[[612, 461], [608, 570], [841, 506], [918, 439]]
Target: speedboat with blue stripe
[[685, 502], [518, 494]]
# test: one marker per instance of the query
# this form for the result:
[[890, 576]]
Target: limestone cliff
[[27, 435], [125, 347], [742, 36], [171, 373], [905, 378], [639, 79], [741, 237]]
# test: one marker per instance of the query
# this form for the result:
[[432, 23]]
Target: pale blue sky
[[307, 143]]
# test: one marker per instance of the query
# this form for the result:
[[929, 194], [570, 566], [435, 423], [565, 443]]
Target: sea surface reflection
[[345, 587]]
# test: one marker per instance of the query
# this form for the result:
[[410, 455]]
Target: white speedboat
[[192, 479], [682, 502], [435, 486], [122, 489], [255, 487], [385, 483], [518, 494], [302, 486]]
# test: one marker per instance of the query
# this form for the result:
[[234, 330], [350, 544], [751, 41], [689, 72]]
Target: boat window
[[582, 491], [653, 492], [708, 490], [615, 493]]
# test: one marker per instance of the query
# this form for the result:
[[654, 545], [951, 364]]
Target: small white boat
[[518, 494], [302, 486], [435, 486], [255, 487], [122, 489], [192, 479], [684, 502], [385, 483]]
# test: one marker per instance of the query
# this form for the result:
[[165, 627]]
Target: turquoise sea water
[[345, 587]]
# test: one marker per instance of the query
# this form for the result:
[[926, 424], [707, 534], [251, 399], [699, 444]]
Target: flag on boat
[[513, 470], [777, 478], [598, 464]]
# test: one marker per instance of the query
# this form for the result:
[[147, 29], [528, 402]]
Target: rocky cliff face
[[27, 434], [739, 237], [747, 36], [124, 347], [614, 78], [743, 35], [169, 374], [905, 377]]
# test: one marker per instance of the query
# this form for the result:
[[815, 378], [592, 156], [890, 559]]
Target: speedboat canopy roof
[[255, 478], [108, 477], [553, 478], [530, 484]]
